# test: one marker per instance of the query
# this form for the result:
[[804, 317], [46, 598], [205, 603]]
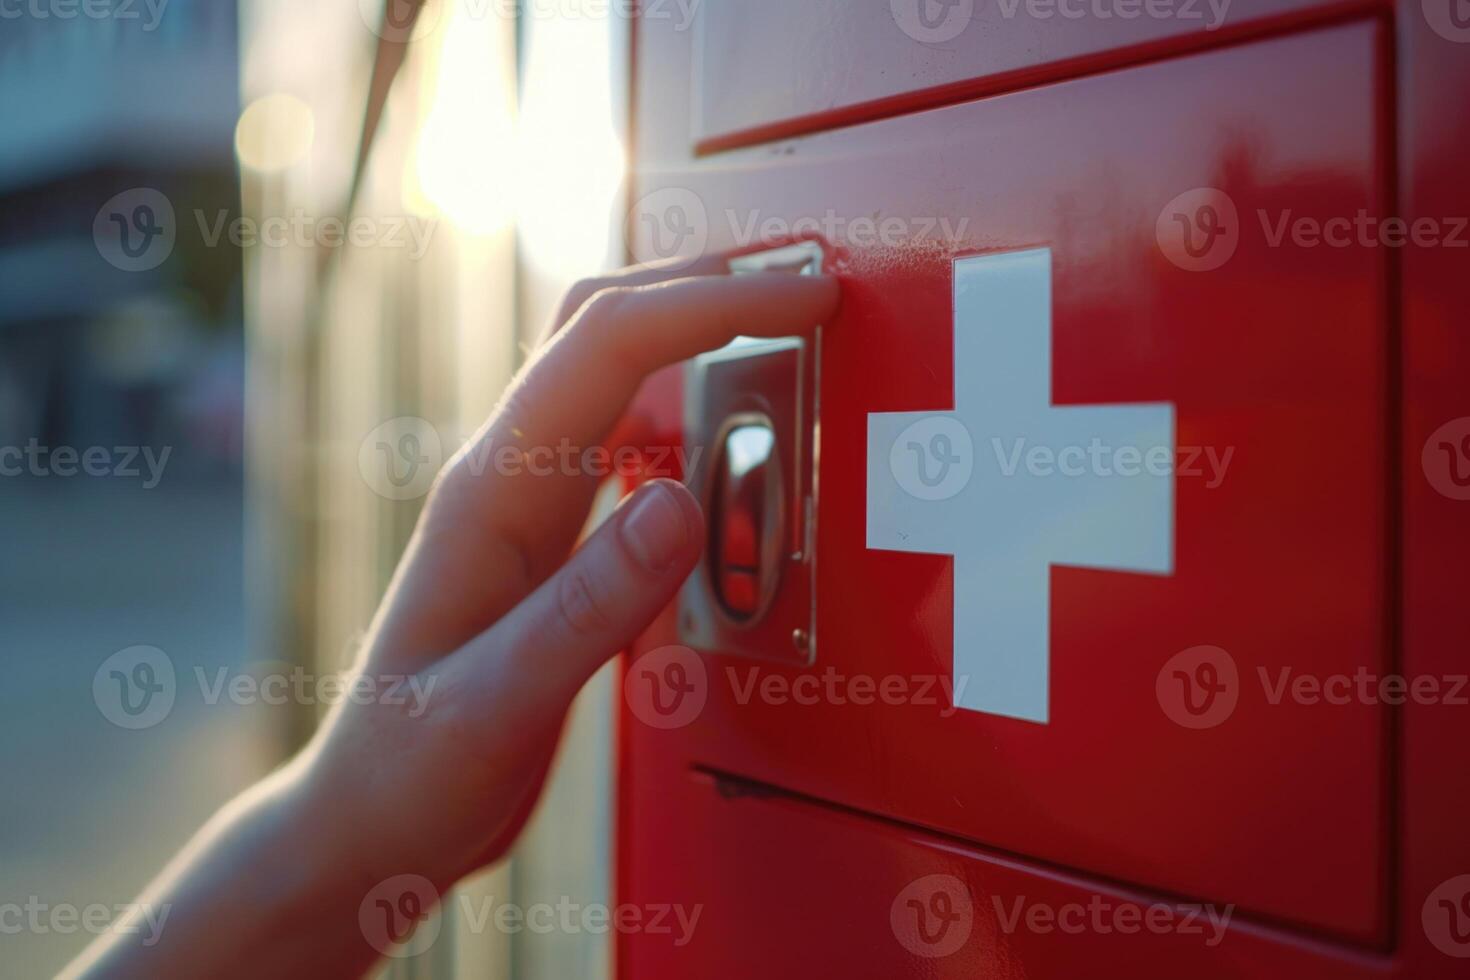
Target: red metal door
[[1197, 717]]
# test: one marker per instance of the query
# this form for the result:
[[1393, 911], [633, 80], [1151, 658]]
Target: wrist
[[305, 845], [305, 878]]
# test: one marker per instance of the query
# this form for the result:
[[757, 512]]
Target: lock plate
[[751, 410]]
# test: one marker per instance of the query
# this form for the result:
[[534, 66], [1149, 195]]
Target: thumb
[[528, 666]]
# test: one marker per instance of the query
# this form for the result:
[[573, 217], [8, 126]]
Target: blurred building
[[106, 108], [99, 100]]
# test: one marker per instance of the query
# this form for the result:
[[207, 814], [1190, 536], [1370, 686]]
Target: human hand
[[499, 618], [486, 603]]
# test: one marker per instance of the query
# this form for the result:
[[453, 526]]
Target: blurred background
[[263, 265]]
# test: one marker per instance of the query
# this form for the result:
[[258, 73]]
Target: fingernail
[[655, 529]]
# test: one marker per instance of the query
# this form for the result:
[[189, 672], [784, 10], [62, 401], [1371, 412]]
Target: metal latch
[[753, 408]]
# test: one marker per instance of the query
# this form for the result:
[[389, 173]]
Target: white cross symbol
[[976, 483]]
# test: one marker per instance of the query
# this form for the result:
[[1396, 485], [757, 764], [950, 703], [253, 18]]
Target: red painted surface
[[769, 69], [1324, 549], [788, 888], [1434, 784]]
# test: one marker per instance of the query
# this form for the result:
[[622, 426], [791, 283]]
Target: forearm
[[266, 888]]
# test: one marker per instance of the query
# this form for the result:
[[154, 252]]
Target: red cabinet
[[1108, 585]]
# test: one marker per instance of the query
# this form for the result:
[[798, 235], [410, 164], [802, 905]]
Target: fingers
[[581, 381], [492, 533], [649, 326], [579, 385], [521, 674], [642, 275]]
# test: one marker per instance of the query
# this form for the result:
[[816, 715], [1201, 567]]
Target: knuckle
[[604, 326], [584, 289], [452, 493], [582, 603], [603, 308], [450, 478], [577, 297]]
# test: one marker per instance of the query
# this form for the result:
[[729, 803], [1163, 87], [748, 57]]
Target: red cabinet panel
[[1176, 203], [764, 68], [774, 887]]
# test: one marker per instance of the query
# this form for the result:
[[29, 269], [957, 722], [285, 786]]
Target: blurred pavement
[[90, 811]]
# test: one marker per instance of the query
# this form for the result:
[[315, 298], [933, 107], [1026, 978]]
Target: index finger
[[579, 384], [645, 274]]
